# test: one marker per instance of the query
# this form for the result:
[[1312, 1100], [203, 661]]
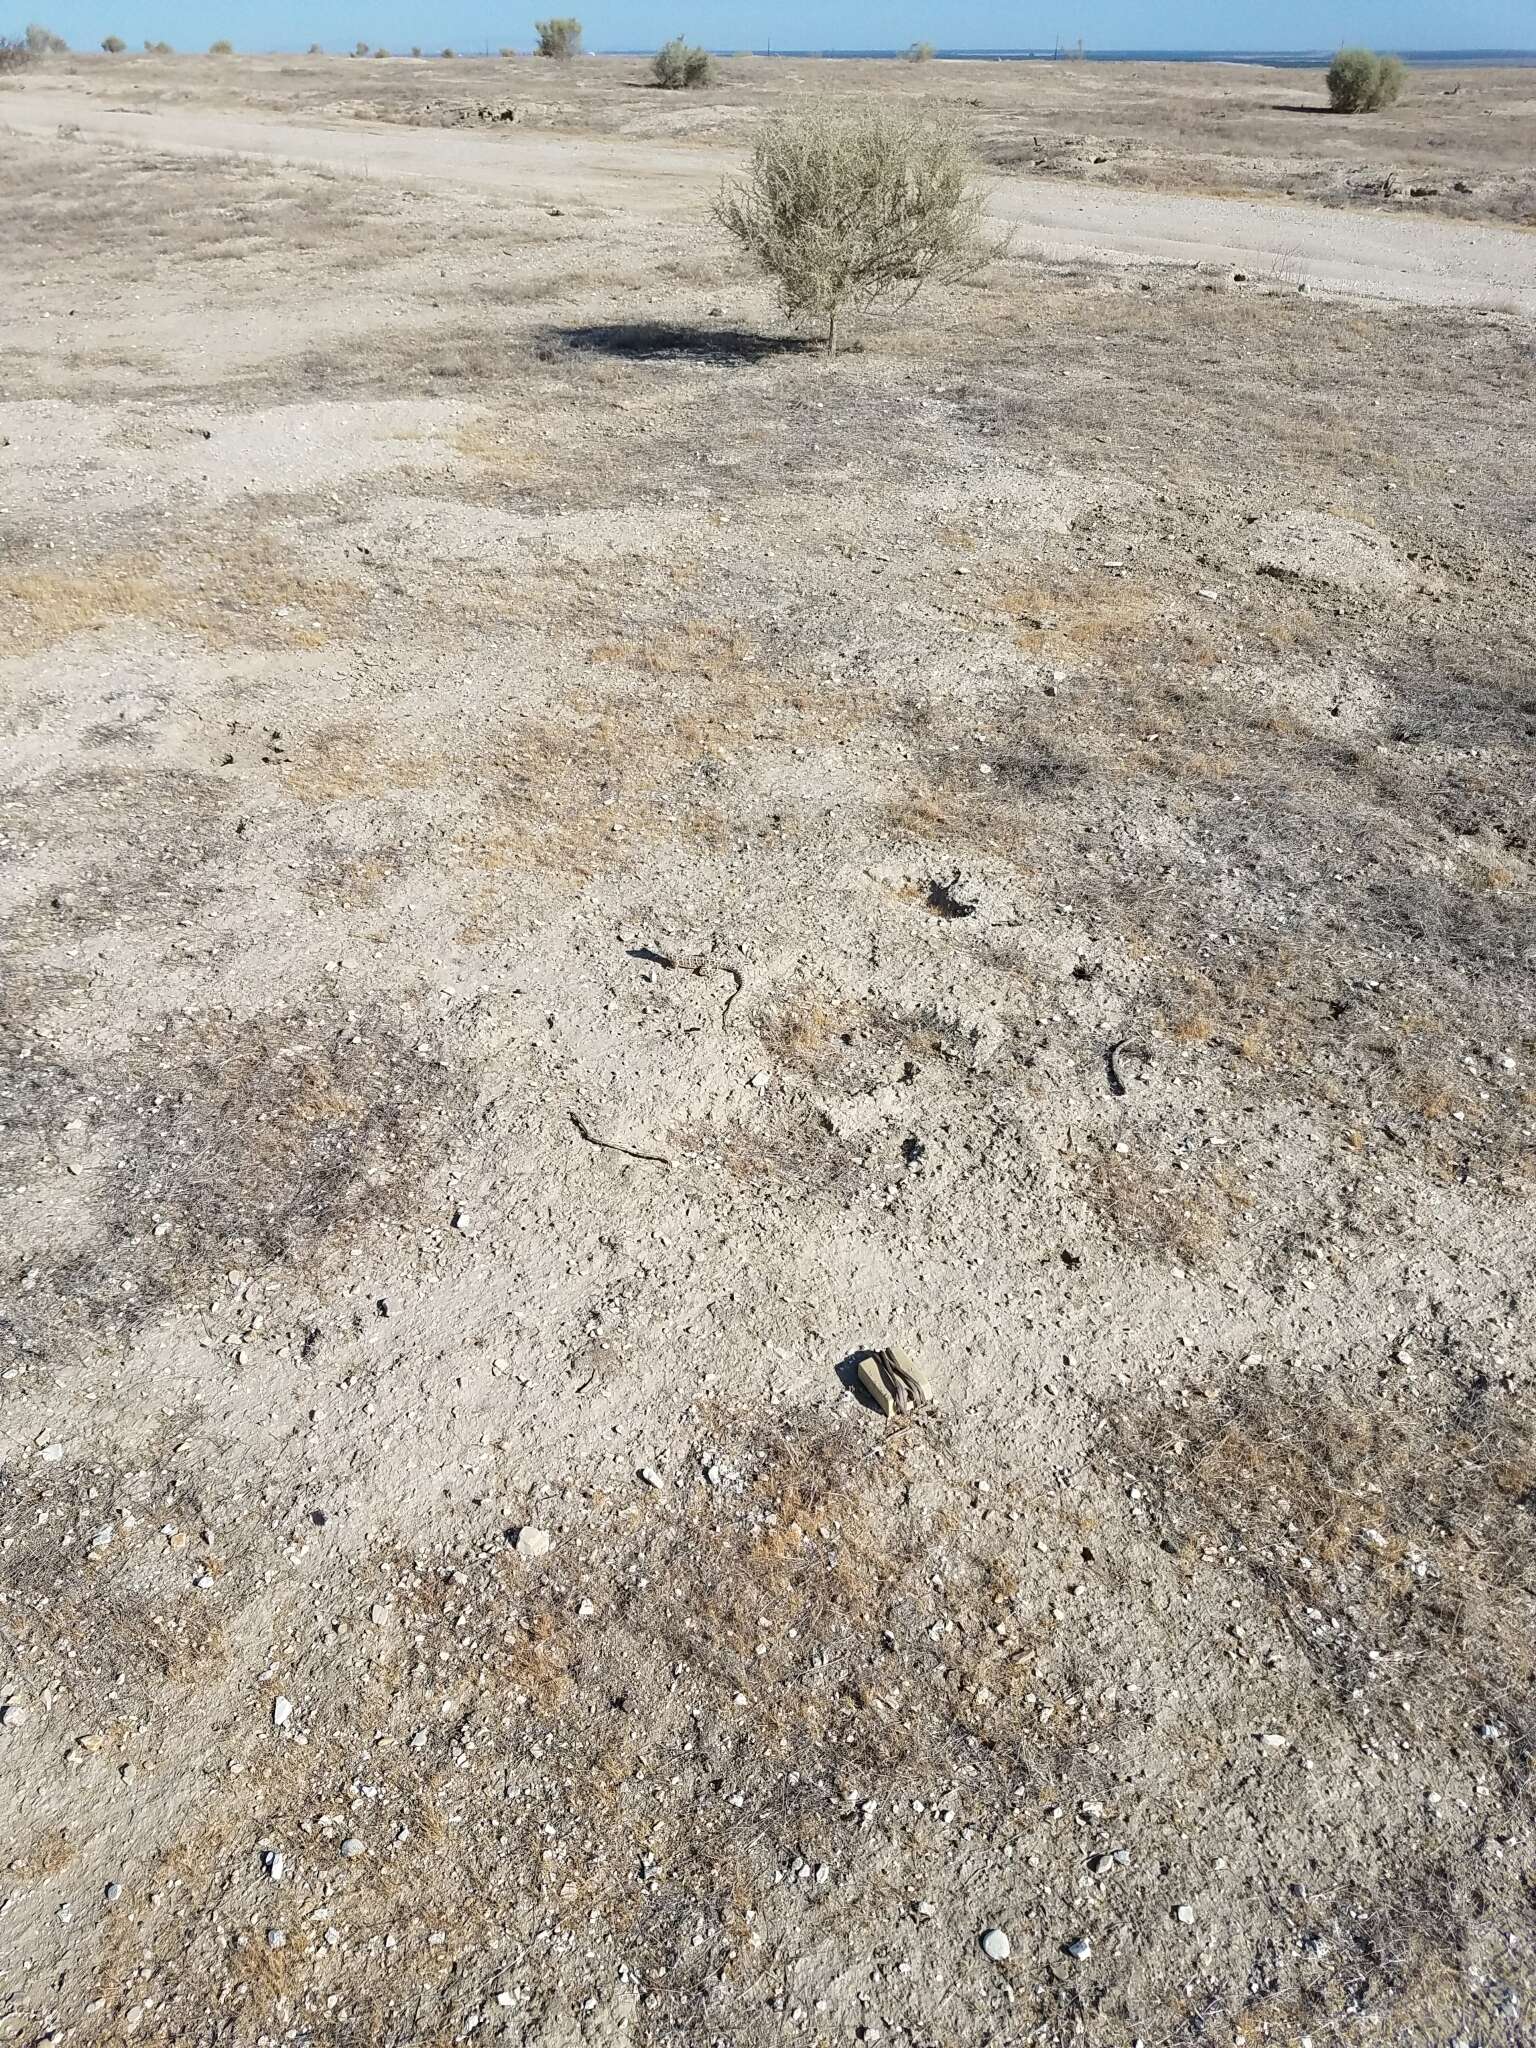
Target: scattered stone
[[651, 1476], [996, 1946], [282, 1712], [1269, 1740], [1185, 1915], [276, 1938], [532, 1543], [276, 1865], [353, 1847], [1080, 1949], [113, 1893], [12, 1714]]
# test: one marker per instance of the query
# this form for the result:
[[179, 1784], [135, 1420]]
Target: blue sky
[[805, 24]]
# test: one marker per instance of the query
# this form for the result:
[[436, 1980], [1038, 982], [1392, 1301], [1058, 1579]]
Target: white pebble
[[282, 1712], [533, 1543], [650, 1475], [996, 1946], [352, 1847], [1080, 1949]]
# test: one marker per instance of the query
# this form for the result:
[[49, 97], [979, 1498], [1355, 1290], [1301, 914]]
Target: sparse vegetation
[[113, 45], [678, 65], [448, 53], [159, 50], [42, 42], [919, 53], [14, 54], [560, 36], [316, 50], [359, 49], [843, 206], [222, 48], [508, 51], [1361, 82]]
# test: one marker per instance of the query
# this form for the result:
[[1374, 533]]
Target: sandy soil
[[1458, 142], [1428, 261], [1085, 734]]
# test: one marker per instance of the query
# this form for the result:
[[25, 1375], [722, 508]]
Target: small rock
[[282, 1712], [651, 1476], [1080, 1949], [532, 1543], [276, 1938], [353, 1847], [12, 1714], [1185, 1915], [996, 1946], [113, 1893], [276, 1865], [1270, 1740]]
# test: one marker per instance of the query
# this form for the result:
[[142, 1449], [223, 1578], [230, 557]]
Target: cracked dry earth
[[418, 617]]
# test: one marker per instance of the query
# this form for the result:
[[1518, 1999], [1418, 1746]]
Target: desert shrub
[[221, 48], [506, 53], [359, 49], [113, 45], [42, 42], [159, 50], [1394, 76], [14, 54], [381, 53], [559, 37], [846, 204], [316, 50], [919, 53], [415, 49], [447, 53], [1360, 82], [677, 65]]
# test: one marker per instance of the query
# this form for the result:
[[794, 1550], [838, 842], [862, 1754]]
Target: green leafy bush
[[844, 204], [559, 37], [1360, 82], [678, 65]]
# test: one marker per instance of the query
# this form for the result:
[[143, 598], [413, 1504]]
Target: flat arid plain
[[1075, 750]]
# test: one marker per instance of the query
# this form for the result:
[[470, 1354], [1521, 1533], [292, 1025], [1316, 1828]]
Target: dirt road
[[1426, 262]]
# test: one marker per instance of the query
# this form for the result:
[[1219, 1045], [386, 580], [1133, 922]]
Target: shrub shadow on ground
[[659, 340]]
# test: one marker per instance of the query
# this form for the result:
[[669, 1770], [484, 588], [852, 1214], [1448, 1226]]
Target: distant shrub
[[678, 65], [42, 42], [316, 50], [446, 53], [359, 49], [846, 204], [1360, 82], [381, 53], [559, 37], [506, 53], [113, 45], [159, 50], [221, 48], [415, 49], [14, 54], [919, 53]]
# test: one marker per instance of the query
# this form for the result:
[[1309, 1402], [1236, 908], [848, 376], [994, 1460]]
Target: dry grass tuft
[[1392, 1538]]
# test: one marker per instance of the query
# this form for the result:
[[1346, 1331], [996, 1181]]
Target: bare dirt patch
[[1085, 731]]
